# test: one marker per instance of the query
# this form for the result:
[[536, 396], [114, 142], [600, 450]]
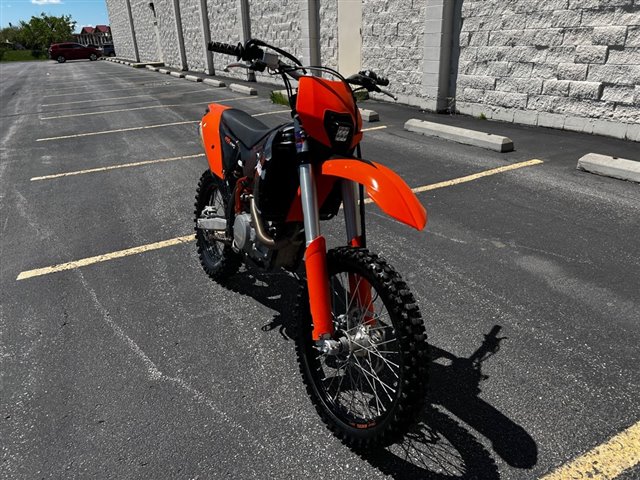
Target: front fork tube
[[315, 258], [358, 286]]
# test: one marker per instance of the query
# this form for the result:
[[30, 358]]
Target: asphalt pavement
[[136, 365]]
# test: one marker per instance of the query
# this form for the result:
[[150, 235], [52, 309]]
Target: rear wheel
[[93, 57], [218, 259], [369, 392], [61, 59]]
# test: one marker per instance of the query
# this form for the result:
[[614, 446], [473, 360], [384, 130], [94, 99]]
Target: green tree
[[42, 31]]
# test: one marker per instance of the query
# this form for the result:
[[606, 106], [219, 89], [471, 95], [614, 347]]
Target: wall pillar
[[436, 66], [310, 32], [133, 32], [206, 38], [178, 19], [245, 30]]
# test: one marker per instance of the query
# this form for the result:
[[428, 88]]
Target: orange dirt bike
[[361, 341]]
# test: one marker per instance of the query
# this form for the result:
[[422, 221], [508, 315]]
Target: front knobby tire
[[218, 260], [369, 397]]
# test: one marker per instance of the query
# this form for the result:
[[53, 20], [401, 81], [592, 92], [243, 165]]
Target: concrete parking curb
[[369, 115], [236, 87], [489, 141], [177, 74], [164, 70], [609, 166], [193, 78], [213, 82], [153, 69]]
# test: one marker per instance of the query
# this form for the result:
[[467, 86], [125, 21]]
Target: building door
[[349, 36]]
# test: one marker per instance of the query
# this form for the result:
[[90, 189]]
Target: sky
[[84, 12]]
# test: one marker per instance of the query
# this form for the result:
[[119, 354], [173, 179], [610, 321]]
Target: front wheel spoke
[[385, 387], [373, 389]]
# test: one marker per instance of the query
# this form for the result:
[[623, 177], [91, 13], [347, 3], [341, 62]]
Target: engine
[[244, 239]]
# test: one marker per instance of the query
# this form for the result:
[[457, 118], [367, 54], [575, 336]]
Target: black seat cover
[[244, 127]]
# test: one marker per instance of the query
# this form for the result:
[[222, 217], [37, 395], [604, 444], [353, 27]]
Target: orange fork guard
[[315, 260]]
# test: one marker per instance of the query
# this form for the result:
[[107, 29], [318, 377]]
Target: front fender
[[384, 186]]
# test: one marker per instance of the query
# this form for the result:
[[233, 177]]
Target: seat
[[244, 127]]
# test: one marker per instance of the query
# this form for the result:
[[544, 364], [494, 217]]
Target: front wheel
[[61, 59], [370, 391], [93, 57]]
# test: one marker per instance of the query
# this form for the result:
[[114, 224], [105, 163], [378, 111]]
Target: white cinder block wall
[[572, 64]]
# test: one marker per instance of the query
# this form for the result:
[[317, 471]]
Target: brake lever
[[236, 65]]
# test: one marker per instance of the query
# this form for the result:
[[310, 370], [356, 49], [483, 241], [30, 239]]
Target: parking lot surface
[[128, 362]]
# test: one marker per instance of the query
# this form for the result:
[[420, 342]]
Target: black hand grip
[[226, 48], [382, 81]]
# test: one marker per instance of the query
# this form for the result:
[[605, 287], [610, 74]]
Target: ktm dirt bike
[[361, 341]]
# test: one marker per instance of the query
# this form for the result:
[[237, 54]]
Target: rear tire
[[218, 260], [93, 57], [369, 396], [61, 59]]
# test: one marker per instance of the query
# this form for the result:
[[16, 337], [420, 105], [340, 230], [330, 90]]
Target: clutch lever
[[384, 92]]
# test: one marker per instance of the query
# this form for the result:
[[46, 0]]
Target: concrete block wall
[[120, 29], [167, 30], [145, 34], [192, 34], [329, 33], [392, 33], [279, 24], [572, 64], [225, 26]]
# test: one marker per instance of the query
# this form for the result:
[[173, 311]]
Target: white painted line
[[270, 113], [119, 110], [609, 166], [114, 167], [461, 135], [120, 98], [119, 130], [236, 87], [370, 129], [132, 86], [369, 115], [103, 258]]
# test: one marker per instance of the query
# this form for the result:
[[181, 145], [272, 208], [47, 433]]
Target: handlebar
[[259, 60], [248, 52]]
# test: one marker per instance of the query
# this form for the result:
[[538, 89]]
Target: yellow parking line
[[606, 461], [104, 132], [119, 98], [103, 258], [155, 246], [146, 108], [475, 176], [113, 167]]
